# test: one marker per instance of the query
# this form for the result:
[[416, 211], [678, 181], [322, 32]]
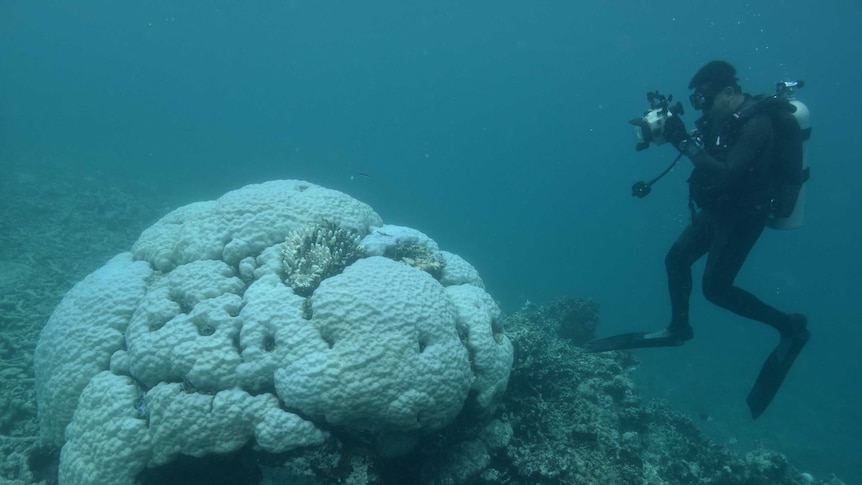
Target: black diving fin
[[638, 340], [776, 367]]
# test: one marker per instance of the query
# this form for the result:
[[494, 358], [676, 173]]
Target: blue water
[[498, 128]]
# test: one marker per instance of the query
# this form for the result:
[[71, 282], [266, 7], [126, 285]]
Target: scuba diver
[[735, 189]]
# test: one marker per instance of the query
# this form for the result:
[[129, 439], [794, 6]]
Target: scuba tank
[[793, 220]]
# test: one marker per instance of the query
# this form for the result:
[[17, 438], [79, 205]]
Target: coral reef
[[575, 319], [567, 417], [577, 418], [191, 344]]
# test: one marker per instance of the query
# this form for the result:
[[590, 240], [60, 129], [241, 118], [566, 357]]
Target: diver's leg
[[730, 247], [691, 245], [688, 248], [731, 244]]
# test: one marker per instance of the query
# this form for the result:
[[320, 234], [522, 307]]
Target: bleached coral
[[247, 318]]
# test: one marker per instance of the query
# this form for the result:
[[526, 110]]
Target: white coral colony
[[274, 312]]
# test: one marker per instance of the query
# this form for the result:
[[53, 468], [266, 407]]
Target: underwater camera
[[649, 128]]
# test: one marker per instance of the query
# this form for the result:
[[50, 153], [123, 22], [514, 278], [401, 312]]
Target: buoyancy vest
[[776, 182]]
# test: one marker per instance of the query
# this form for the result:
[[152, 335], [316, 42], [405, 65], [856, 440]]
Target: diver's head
[[716, 89]]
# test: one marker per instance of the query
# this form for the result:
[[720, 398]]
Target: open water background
[[499, 129]]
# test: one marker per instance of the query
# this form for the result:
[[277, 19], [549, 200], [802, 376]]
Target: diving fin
[[638, 340], [776, 367]]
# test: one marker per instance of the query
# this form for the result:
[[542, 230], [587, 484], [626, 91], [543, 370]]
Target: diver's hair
[[715, 76]]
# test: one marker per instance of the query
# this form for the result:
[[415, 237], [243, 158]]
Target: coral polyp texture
[[272, 316]]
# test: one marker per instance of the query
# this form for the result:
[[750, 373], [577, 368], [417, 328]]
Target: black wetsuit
[[731, 186]]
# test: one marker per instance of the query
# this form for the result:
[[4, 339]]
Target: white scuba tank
[[795, 219]]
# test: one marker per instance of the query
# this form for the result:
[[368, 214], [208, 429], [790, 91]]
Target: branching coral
[[316, 252]]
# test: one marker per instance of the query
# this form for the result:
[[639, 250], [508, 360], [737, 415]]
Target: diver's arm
[[741, 155]]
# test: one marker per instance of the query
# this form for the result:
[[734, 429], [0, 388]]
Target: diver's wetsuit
[[731, 185]]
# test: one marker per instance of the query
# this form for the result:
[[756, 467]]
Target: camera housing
[[649, 128]]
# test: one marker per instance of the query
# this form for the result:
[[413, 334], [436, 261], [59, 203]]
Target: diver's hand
[[674, 131], [691, 147], [677, 135]]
